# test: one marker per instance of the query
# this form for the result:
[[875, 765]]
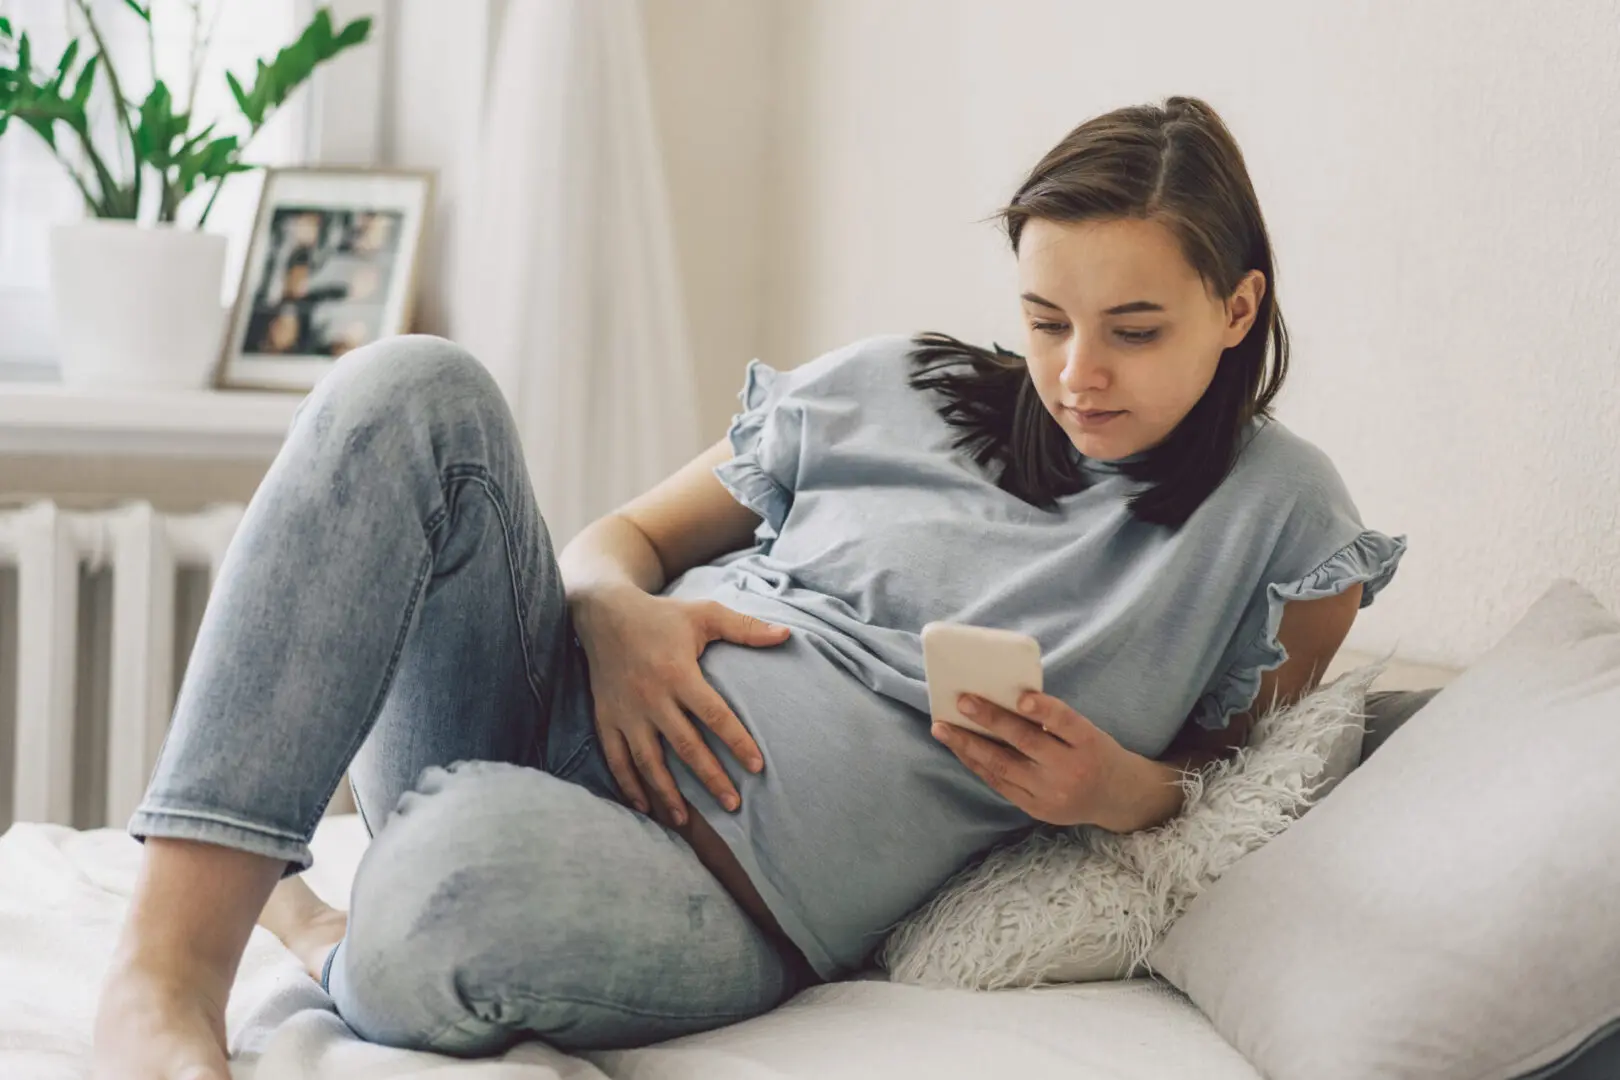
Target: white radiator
[[50, 550]]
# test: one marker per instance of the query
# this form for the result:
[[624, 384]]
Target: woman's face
[[1123, 335]]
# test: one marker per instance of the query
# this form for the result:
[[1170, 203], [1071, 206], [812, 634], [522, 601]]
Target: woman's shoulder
[[1287, 493], [860, 365], [836, 395], [1279, 468]]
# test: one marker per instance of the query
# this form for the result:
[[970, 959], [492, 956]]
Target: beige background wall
[[1439, 188], [714, 70]]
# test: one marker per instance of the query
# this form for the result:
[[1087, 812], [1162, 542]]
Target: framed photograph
[[331, 266]]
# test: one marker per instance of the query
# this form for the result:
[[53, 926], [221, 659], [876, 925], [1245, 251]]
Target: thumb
[[733, 626]]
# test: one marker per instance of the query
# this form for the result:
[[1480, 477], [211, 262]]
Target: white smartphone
[[997, 665]]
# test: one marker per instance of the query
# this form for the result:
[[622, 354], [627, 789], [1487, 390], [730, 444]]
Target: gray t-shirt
[[873, 525]]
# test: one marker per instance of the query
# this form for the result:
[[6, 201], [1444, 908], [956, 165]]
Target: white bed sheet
[[62, 894]]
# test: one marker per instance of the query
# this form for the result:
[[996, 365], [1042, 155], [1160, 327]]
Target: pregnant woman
[[664, 780]]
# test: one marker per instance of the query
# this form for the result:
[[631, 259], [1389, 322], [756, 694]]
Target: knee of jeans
[[462, 890], [401, 383]]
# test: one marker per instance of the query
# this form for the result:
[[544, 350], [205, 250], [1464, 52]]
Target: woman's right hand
[[643, 652]]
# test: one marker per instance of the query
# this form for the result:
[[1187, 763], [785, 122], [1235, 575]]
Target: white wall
[[1437, 186], [710, 64], [434, 67], [1440, 188], [712, 76]]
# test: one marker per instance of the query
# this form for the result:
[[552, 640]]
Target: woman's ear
[[1242, 307]]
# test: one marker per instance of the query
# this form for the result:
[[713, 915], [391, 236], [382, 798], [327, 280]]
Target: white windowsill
[[48, 418]]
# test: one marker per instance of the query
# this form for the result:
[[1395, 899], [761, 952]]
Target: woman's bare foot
[[162, 1009], [156, 1026], [304, 922]]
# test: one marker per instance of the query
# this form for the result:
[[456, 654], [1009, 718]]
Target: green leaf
[[45, 127], [320, 27], [145, 13], [63, 65], [219, 153], [239, 94], [191, 144], [353, 34], [24, 57], [262, 82], [275, 81], [214, 161], [69, 54], [301, 61], [158, 127], [5, 27], [86, 82]]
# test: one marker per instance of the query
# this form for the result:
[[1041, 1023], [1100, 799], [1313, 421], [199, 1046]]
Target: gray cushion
[[1597, 1059], [1387, 710], [1451, 910]]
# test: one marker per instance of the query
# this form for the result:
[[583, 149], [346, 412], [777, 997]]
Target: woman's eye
[[1049, 327], [1137, 337]]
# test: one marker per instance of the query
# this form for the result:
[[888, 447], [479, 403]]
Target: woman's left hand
[[1057, 767]]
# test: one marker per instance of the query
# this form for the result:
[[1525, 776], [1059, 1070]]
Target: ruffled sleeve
[[1369, 560], [764, 445]]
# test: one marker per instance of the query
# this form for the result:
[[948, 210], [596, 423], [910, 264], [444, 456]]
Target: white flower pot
[[137, 307]]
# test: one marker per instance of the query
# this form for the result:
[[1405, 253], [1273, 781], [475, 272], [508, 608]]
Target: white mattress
[[62, 894]]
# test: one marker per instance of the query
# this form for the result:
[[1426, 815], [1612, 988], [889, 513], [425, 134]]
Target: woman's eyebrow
[[1117, 309]]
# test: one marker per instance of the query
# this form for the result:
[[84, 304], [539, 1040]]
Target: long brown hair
[[1176, 164]]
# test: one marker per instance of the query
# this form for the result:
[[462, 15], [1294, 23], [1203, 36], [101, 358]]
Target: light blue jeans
[[392, 606]]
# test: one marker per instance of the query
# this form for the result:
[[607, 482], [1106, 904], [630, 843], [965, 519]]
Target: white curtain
[[564, 268]]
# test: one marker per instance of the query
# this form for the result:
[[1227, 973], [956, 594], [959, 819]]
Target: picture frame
[[332, 264]]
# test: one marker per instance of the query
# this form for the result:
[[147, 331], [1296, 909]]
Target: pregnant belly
[[859, 813], [717, 857]]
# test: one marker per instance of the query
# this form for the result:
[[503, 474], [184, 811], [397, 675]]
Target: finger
[[624, 772], [647, 751], [1061, 721], [966, 746], [1023, 734], [1005, 770], [690, 748], [723, 624], [705, 702]]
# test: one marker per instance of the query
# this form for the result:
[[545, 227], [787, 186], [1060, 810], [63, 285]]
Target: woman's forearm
[[610, 553], [1152, 792], [1154, 795]]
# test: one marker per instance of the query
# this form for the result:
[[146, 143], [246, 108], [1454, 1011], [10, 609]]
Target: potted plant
[[136, 293]]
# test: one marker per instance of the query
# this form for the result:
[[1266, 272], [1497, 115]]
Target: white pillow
[[1451, 912], [1081, 904]]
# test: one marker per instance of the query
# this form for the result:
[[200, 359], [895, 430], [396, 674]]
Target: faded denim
[[391, 605]]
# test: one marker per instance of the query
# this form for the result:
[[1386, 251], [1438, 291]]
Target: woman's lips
[[1092, 419]]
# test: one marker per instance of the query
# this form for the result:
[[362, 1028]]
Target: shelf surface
[[49, 418]]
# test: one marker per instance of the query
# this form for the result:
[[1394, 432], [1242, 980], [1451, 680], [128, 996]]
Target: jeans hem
[[206, 827], [326, 968], [480, 1037]]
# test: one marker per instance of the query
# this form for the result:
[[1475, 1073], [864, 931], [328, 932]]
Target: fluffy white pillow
[[1081, 904]]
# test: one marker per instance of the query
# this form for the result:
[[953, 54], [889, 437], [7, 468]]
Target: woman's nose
[[1084, 368]]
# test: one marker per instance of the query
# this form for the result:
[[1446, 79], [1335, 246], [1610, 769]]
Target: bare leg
[[162, 1009], [304, 922]]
